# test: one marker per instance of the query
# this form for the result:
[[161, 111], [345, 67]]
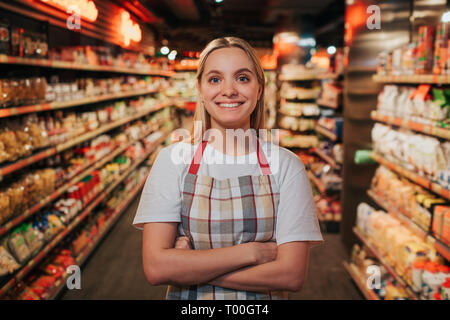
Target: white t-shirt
[[162, 194]]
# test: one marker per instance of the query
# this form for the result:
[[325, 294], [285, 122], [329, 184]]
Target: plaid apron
[[222, 213]]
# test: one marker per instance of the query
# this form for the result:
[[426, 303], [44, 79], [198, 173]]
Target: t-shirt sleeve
[[297, 220], [161, 197]]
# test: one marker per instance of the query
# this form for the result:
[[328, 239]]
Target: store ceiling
[[190, 24]]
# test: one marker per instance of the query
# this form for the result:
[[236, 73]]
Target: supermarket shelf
[[425, 78], [8, 112], [362, 91], [324, 103], [7, 169], [316, 181], [414, 177], [4, 59], [356, 276], [388, 267], [327, 133], [301, 98], [285, 77], [98, 198], [287, 114], [440, 247], [89, 249], [61, 190], [416, 126], [327, 158]]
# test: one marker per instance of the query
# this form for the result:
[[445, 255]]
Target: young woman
[[239, 227]]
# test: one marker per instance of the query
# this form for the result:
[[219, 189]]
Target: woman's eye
[[243, 78], [214, 80]]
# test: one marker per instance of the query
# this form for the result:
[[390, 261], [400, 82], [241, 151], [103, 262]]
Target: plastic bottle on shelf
[[431, 280], [417, 273]]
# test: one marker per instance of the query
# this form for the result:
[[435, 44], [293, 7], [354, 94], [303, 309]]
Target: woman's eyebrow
[[243, 70], [236, 72]]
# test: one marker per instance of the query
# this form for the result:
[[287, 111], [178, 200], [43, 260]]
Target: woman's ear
[[259, 92]]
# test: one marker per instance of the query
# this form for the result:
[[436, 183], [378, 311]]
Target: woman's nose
[[229, 89]]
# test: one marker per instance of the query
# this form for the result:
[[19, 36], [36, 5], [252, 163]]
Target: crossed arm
[[253, 266]]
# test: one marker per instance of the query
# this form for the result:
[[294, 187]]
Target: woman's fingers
[[183, 243]]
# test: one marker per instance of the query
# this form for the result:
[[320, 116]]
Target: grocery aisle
[[115, 269]]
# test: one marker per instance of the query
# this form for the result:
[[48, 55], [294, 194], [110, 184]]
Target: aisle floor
[[114, 270]]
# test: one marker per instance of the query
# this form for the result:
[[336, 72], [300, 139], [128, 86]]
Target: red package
[[54, 270], [64, 261]]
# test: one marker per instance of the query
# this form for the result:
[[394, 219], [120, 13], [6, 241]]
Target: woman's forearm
[[187, 267], [164, 264], [286, 273]]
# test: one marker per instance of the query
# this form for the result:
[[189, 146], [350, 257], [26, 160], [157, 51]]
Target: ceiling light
[[165, 50], [218, 1], [331, 50]]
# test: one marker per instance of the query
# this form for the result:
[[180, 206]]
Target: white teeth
[[230, 105]]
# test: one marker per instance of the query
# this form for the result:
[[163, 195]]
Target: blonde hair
[[201, 114]]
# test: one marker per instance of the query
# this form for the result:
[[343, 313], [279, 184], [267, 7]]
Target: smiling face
[[229, 88]]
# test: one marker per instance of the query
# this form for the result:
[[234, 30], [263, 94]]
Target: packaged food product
[[431, 281], [417, 271], [18, 246], [5, 207], [28, 294], [42, 285], [64, 261], [9, 142], [54, 270], [7, 262], [33, 237], [445, 291]]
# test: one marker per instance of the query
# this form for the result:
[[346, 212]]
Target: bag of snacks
[[16, 198], [33, 237], [9, 142], [18, 246], [5, 208], [7, 262]]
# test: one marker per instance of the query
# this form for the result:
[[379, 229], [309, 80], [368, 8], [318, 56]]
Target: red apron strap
[[265, 168], [195, 164]]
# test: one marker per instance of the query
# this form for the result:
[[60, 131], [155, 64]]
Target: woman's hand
[[264, 251], [183, 243]]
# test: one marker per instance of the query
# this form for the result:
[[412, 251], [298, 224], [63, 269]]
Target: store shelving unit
[[4, 59], [440, 247], [89, 249], [304, 77], [327, 133], [412, 125], [412, 295], [359, 281], [414, 177], [332, 162], [8, 112], [326, 104], [61, 190], [320, 186], [22, 163], [92, 202], [415, 79]]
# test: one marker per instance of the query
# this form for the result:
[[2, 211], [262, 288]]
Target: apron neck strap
[[262, 160]]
